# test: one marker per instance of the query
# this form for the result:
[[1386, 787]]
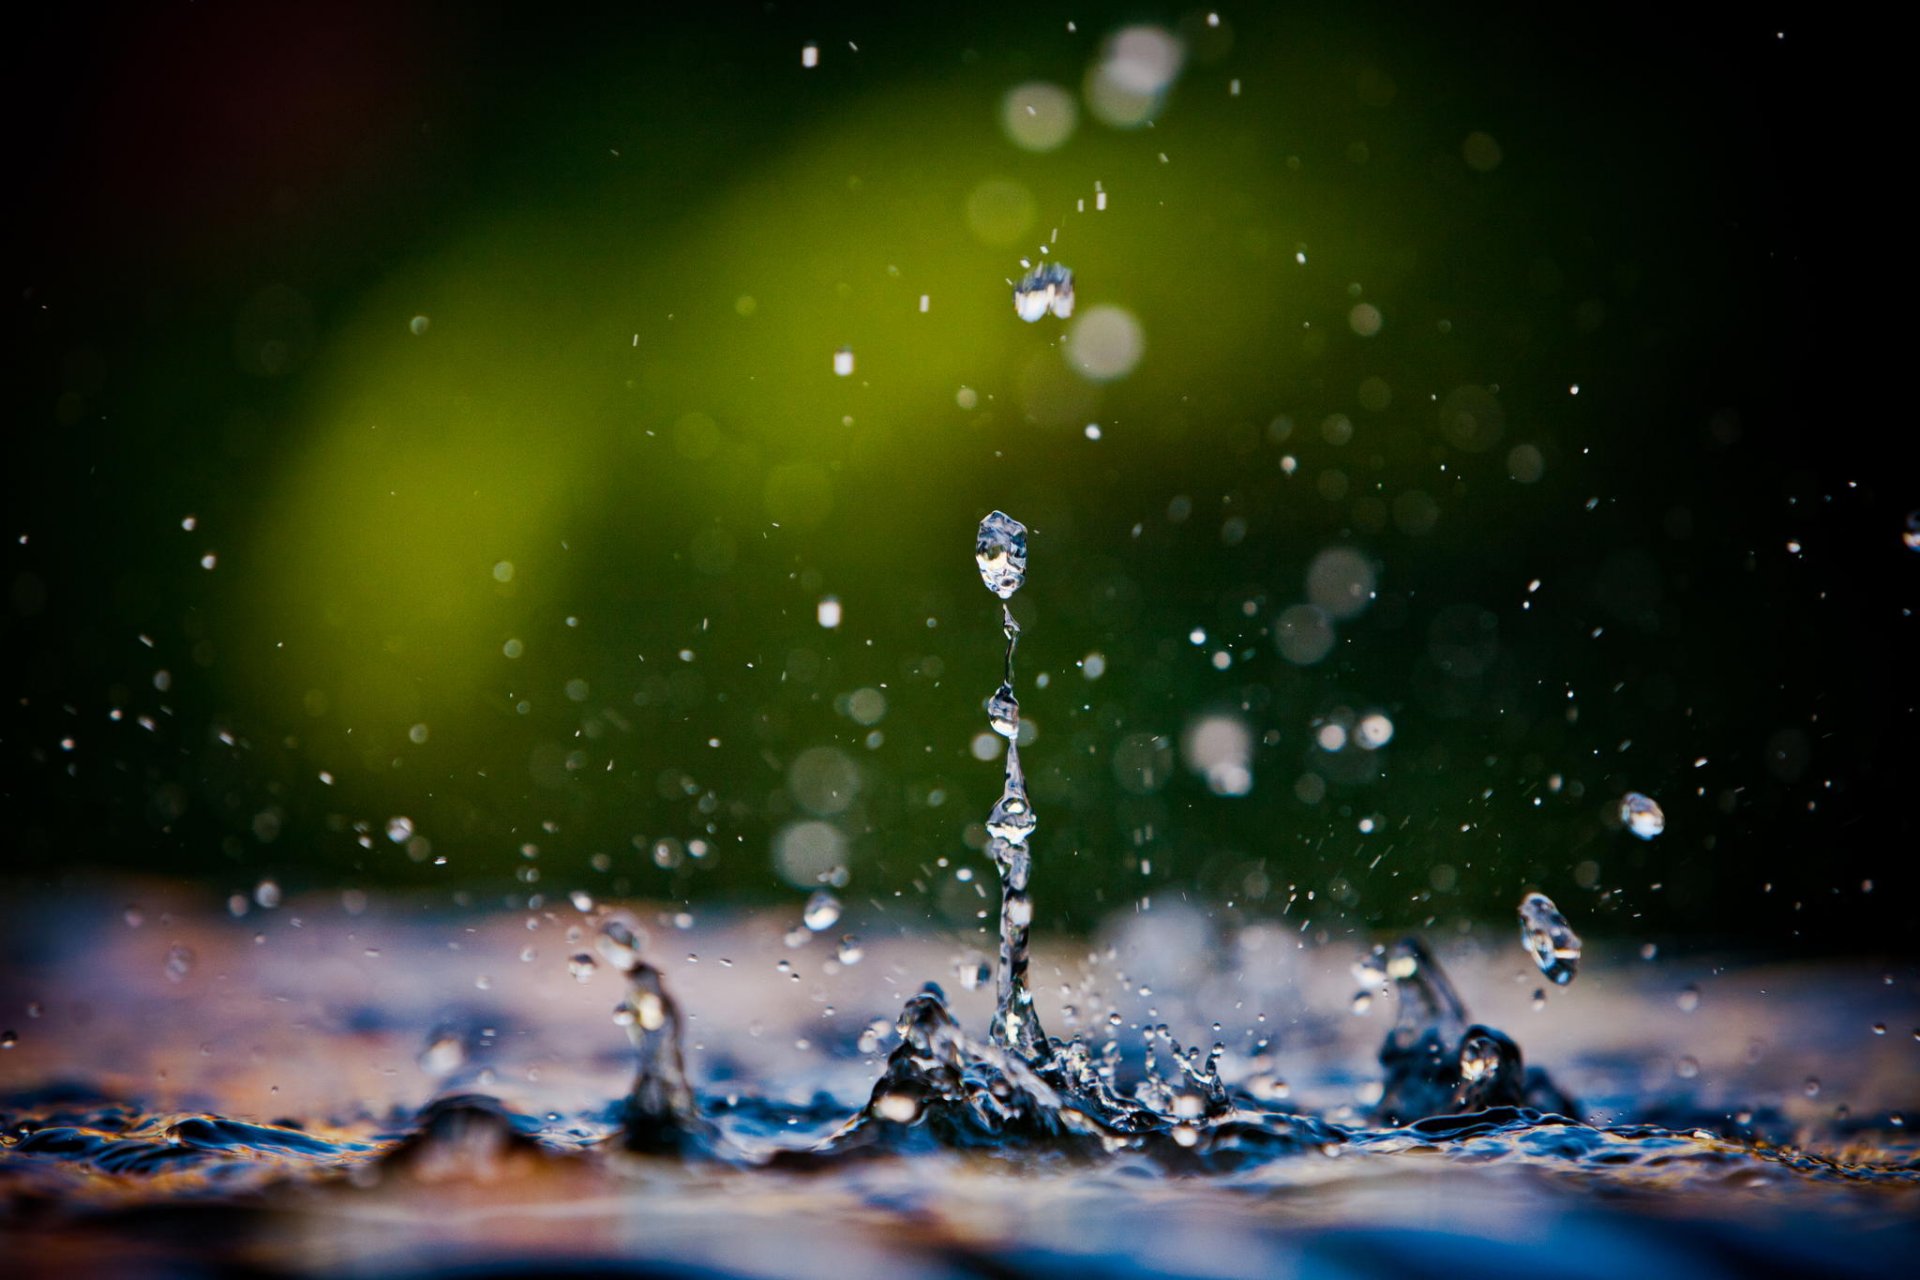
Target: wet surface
[[397, 1091]]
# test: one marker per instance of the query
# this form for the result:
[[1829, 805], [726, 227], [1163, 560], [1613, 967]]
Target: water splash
[[1436, 1064], [1000, 551], [659, 1114]]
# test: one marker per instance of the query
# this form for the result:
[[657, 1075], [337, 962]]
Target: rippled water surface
[[311, 1089]]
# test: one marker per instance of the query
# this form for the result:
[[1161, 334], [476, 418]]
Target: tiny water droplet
[[823, 909], [581, 966], [1688, 999], [849, 951], [179, 962], [1642, 815], [621, 940], [1046, 288], [1003, 711], [972, 970]]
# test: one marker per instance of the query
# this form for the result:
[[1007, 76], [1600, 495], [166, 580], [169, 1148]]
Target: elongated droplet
[[1001, 552], [1554, 945], [1013, 819]]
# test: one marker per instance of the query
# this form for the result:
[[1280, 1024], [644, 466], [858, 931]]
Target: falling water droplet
[[581, 966], [1003, 712], [823, 909], [1642, 815], [850, 951], [1048, 287], [1001, 552], [621, 940], [1554, 945], [973, 970], [179, 962]]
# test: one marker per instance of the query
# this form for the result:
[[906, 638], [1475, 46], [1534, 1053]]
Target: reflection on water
[[310, 1086]]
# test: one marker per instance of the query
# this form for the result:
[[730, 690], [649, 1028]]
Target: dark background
[[228, 213]]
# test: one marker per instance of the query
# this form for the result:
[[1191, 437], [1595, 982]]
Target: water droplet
[[1001, 552], [1003, 712], [581, 966], [849, 952], [9, 1038], [1689, 998], [444, 1053], [823, 910], [621, 940], [1012, 819], [179, 962], [843, 362], [973, 970], [1642, 815], [267, 894], [1374, 731], [1046, 288], [1554, 945], [1911, 537], [399, 829]]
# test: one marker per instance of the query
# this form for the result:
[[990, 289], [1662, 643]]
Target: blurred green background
[[429, 462]]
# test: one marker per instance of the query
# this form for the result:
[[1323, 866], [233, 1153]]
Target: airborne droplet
[[1642, 815], [1003, 712], [1048, 287], [1001, 552], [823, 909], [1554, 945]]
